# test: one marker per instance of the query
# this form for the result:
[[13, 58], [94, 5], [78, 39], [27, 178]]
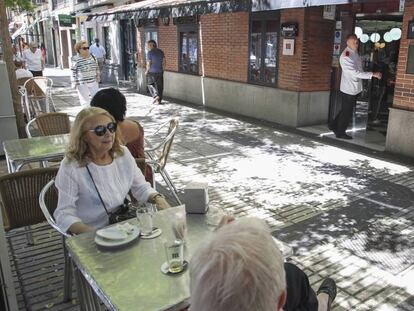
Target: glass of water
[[144, 217]]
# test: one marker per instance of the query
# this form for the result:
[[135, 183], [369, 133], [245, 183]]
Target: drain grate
[[388, 244]]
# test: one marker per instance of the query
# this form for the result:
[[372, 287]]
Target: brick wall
[[317, 53], [168, 42], [310, 68], [404, 88], [140, 48], [224, 40], [290, 67]]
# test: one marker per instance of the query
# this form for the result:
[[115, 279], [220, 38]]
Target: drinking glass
[[174, 252], [144, 217]]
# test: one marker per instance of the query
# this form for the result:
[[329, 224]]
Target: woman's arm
[[68, 194]]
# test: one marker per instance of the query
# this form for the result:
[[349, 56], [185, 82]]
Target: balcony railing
[[60, 4]]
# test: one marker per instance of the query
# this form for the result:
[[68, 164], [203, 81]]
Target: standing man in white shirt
[[99, 53], [34, 60], [351, 85]]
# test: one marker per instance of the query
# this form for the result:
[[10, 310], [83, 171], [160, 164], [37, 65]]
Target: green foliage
[[22, 4]]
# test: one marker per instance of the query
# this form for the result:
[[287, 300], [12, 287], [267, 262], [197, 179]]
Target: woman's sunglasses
[[85, 48], [100, 130]]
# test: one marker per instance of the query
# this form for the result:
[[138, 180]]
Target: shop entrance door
[[129, 48], [379, 43], [379, 49]]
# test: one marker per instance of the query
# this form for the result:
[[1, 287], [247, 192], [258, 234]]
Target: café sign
[[65, 20]]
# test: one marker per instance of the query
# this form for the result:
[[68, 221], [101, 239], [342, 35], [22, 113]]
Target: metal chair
[[19, 196], [36, 91], [157, 155], [48, 210], [53, 123]]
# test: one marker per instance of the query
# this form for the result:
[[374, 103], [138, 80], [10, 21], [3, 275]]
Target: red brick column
[[168, 42], [224, 41], [290, 67], [140, 48], [310, 68], [404, 88]]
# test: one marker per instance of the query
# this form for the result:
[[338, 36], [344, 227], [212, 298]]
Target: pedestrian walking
[[99, 53], [33, 59], [351, 85], [155, 71], [85, 73], [43, 50]]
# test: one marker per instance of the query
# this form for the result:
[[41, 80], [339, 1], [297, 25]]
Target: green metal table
[[20, 152], [130, 278]]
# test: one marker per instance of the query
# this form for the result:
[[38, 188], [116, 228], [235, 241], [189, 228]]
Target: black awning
[[172, 8], [210, 7], [267, 5]]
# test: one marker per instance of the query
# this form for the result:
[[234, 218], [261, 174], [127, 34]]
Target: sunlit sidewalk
[[347, 215]]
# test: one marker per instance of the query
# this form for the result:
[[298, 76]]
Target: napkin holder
[[196, 198]]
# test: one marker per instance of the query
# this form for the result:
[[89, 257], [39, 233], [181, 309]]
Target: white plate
[[112, 233], [115, 243]]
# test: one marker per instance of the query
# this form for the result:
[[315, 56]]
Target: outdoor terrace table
[[130, 278], [19, 152]]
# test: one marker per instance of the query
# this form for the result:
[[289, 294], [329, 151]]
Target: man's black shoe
[[343, 136]]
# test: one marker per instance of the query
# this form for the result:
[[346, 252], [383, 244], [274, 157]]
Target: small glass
[[144, 217], [175, 255], [179, 227]]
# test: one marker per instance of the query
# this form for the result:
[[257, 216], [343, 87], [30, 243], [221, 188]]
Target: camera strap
[[99, 195]]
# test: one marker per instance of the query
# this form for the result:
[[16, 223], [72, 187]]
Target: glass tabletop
[[130, 278], [36, 148]]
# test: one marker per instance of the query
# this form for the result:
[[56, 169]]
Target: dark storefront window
[[150, 34], [107, 40], [188, 49], [263, 49], [89, 32]]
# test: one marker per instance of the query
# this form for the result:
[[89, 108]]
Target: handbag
[[123, 212]]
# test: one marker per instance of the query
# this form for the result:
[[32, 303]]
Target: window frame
[[151, 28], [187, 28], [106, 30], [264, 17]]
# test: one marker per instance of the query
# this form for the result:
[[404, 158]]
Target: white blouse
[[78, 199]]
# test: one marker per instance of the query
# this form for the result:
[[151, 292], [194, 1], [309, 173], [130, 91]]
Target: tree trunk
[[11, 70]]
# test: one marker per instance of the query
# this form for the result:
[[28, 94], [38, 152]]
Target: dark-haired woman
[[132, 133]]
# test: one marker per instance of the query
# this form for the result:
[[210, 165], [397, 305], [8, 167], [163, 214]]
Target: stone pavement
[[347, 214]]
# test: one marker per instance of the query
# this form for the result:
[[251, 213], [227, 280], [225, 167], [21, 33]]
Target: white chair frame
[[68, 269], [154, 161], [27, 98]]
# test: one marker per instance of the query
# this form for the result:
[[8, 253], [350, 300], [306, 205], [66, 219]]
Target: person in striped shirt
[[85, 73]]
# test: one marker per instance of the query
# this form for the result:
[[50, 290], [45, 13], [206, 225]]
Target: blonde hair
[[78, 148], [79, 44], [239, 268]]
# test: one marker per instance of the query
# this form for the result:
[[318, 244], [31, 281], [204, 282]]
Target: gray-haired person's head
[[238, 268]]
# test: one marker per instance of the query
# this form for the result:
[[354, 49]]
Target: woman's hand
[[80, 227], [161, 202]]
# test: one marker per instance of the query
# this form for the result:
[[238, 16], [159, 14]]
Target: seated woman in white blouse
[[96, 175]]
